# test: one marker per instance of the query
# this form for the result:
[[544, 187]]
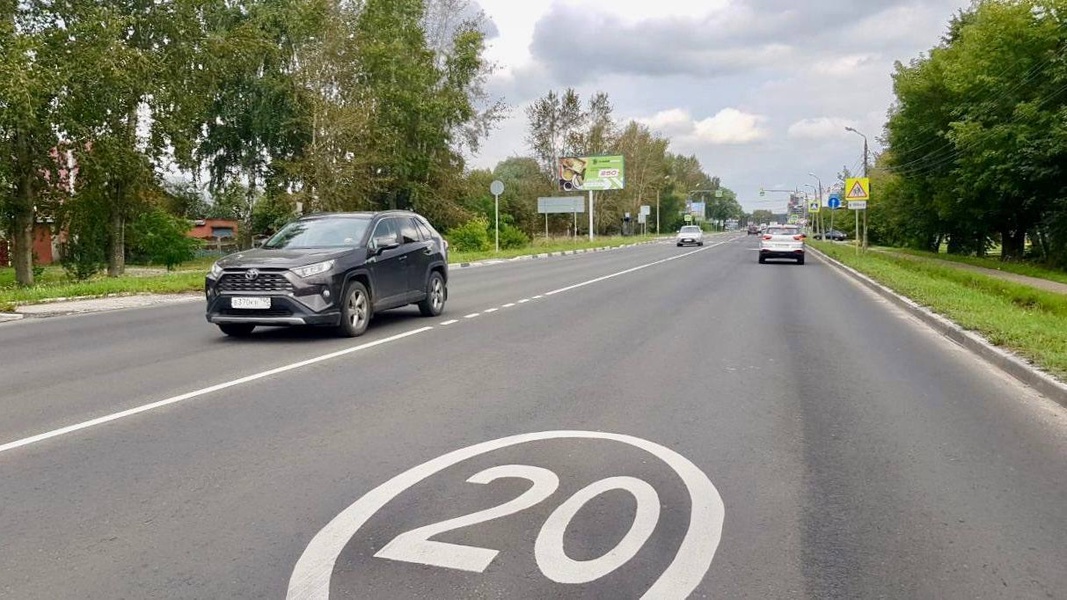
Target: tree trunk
[[22, 252], [116, 254]]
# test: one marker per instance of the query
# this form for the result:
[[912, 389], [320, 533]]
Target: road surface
[[653, 421]]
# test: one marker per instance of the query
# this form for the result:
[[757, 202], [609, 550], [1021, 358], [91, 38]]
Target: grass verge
[[189, 277], [1018, 268], [1030, 322], [541, 245]]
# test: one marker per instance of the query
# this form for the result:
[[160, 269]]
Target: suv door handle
[[402, 258]]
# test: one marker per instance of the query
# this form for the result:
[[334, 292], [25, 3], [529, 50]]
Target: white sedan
[[782, 241], [690, 234]]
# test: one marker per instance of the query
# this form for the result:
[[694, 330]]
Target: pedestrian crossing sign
[[813, 206], [858, 189]]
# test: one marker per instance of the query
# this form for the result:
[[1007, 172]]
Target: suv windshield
[[320, 233]]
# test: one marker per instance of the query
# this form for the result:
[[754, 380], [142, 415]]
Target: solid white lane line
[[450, 322], [201, 392], [524, 301], [508, 305], [472, 315], [631, 270], [491, 310], [538, 297]]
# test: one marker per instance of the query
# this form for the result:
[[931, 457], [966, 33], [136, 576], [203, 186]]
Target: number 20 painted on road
[[311, 577]]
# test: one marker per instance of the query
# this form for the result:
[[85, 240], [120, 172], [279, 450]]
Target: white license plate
[[250, 303]]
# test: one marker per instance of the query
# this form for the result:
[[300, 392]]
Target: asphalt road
[[652, 421]]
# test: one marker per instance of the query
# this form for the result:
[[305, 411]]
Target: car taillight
[[766, 237], [798, 237]]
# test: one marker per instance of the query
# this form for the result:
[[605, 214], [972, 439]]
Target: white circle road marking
[[311, 576]]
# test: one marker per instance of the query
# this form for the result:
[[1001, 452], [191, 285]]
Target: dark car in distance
[[833, 235], [335, 269]]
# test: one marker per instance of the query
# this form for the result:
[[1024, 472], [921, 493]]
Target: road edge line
[[1008, 362]]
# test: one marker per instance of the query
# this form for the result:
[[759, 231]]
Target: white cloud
[[845, 65], [821, 128], [728, 126], [731, 126]]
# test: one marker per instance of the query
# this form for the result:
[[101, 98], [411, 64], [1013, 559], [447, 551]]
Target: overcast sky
[[759, 90]]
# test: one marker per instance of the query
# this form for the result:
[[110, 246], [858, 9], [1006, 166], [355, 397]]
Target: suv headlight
[[315, 269], [216, 271]]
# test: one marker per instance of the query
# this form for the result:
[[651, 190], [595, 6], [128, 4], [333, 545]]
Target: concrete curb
[[500, 261], [5, 317], [1042, 382]]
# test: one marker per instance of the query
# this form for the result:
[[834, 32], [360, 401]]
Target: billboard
[[580, 173]]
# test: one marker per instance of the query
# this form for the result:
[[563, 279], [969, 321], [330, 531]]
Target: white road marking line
[[450, 322], [201, 392], [524, 301], [472, 315], [311, 576], [491, 310], [637, 268], [508, 305], [538, 297]]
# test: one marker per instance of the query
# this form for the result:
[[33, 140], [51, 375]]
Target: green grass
[[1030, 322], [189, 277], [542, 245], [1019, 268]]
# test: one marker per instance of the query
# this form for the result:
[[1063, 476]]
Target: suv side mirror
[[383, 242]]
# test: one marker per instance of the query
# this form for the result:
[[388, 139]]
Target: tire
[[355, 310], [679, 245], [436, 293], [236, 329], [700, 243], [800, 260], [762, 260]]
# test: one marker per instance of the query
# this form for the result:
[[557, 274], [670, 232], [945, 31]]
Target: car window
[[782, 231], [320, 233], [387, 228], [690, 229], [409, 234], [424, 230]]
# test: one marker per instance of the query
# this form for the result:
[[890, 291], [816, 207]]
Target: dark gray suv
[[333, 269]]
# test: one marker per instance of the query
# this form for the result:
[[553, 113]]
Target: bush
[[472, 236], [512, 237], [161, 238]]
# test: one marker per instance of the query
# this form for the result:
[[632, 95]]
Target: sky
[[759, 90]]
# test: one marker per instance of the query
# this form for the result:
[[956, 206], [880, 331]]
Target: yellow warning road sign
[[858, 189], [813, 206]]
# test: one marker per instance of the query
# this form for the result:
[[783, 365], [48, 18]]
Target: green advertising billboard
[[579, 173]]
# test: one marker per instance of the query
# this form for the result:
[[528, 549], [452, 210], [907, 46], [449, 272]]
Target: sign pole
[[590, 215], [574, 213], [496, 188], [546, 226]]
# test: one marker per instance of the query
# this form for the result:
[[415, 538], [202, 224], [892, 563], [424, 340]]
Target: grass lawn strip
[[1029, 270], [53, 284]]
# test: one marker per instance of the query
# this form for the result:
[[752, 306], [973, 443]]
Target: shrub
[[472, 236], [161, 238], [512, 237]]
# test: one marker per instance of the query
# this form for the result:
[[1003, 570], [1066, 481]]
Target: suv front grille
[[266, 282]]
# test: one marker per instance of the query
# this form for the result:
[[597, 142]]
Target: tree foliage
[[977, 142]]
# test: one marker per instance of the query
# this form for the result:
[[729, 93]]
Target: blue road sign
[[835, 201]]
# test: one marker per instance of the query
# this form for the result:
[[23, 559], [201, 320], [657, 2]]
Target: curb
[[1020, 369], [5, 317], [500, 261]]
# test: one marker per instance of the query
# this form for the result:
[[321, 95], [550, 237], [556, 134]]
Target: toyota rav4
[[331, 269]]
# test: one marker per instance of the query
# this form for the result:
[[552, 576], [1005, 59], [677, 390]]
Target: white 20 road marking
[[255, 376], [311, 576]]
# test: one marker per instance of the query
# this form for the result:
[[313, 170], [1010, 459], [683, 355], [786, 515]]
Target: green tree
[[161, 238]]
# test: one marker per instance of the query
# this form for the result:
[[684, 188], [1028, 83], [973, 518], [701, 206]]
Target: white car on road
[[782, 241], [690, 234]]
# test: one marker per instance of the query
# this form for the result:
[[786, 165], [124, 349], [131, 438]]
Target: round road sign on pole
[[496, 188]]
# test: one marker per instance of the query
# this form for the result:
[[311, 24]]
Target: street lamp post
[[865, 169], [818, 196]]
